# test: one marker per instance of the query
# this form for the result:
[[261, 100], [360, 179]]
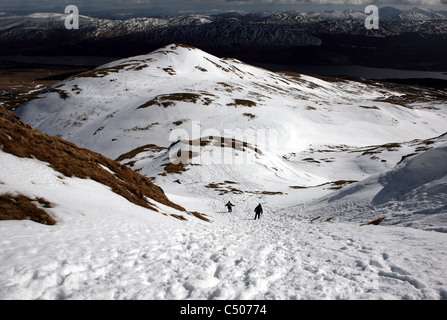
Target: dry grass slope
[[21, 207], [23, 141], [374, 222]]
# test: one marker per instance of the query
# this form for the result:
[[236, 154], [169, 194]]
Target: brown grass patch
[[177, 216], [149, 103], [374, 222], [369, 107], [133, 153], [182, 96], [179, 165], [334, 185], [137, 128], [174, 167], [199, 216], [311, 160], [167, 100], [23, 141], [269, 193], [223, 143], [218, 65], [223, 189], [242, 103], [380, 149], [201, 69], [170, 71], [326, 220], [11, 117], [249, 115], [337, 185], [62, 93], [21, 207], [101, 73], [227, 87], [178, 122], [21, 82]]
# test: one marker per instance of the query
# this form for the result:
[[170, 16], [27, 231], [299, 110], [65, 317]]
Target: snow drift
[[411, 194], [425, 168]]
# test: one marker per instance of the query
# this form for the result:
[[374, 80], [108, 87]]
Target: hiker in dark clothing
[[229, 205], [258, 211]]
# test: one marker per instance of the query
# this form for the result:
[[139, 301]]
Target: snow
[[103, 247], [412, 194], [46, 16], [307, 110]]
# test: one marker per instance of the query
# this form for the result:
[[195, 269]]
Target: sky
[[115, 8]]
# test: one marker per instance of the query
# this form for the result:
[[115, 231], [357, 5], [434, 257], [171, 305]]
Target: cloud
[[110, 8]]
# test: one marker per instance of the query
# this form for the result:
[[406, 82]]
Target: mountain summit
[[137, 110]]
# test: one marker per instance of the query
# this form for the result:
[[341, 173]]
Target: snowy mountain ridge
[[345, 155], [228, 128]]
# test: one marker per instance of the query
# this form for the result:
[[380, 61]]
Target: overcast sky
[[157, 7]]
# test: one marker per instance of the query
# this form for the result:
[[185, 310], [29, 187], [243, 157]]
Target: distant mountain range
[[414, 38]]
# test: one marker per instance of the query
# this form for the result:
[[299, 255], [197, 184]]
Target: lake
[[347, 70], [357, 71]]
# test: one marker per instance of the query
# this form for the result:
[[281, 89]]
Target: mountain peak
[[145, 109], [178, 59]]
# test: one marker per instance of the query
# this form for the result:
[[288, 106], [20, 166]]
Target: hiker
[[258, 211], [229, 205]]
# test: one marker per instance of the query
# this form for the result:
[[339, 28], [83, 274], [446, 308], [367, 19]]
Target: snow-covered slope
[[49, 171], [177, 103], [290, 127], [412, 194], [104, 247]]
